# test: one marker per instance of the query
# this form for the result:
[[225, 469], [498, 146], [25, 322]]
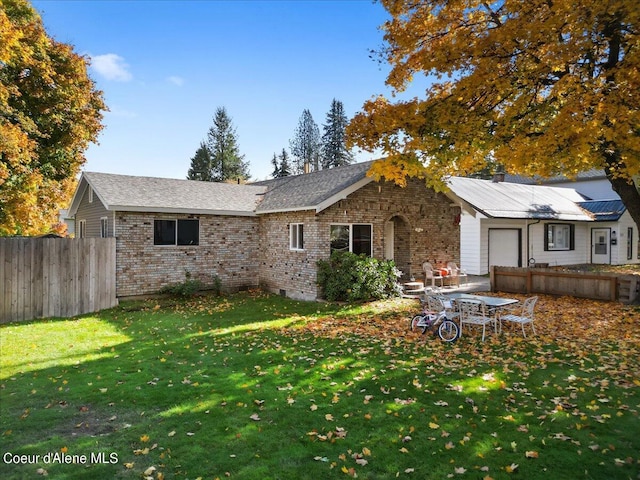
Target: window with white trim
[[296, 236], [104, 227], [559, 236], [90, 195], [176, 232], [629, 243], [355, 238]]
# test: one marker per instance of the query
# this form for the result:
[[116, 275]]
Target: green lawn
[[254, 386]]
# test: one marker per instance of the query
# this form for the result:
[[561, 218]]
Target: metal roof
[[604, 210], [513, 200]]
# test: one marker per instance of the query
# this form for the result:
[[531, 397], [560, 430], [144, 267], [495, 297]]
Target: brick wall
[[425, 229], [227, 249]]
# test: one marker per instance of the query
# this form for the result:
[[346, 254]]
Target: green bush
[[349, 277], [187, 288]]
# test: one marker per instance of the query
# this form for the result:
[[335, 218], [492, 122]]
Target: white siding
[[470, 254]]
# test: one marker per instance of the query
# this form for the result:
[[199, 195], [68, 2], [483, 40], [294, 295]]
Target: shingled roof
[[312, 191], [315, 190], [168, 195]]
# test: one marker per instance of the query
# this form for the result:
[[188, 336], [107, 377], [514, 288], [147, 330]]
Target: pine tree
[[285, 165], [226, 161], [334, 150], [305, 145], [201, 165], [276, 167], [281, 165]]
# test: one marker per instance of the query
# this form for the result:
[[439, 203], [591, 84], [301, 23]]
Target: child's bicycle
[[434, 317]]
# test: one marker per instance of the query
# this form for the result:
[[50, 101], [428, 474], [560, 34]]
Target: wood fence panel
[[553, 282], [44, 277]]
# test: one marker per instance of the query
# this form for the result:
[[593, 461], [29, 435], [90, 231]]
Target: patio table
[[493, 303]]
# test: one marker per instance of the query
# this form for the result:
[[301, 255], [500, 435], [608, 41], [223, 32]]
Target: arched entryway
[[397, 245]]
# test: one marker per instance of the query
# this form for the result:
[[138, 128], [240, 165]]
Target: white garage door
[[504, 247]]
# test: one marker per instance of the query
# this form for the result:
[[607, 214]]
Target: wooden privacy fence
[[601, 286], [56, 277]]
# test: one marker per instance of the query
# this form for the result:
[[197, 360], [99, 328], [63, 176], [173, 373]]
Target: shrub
[[349, 277], [187, 288]]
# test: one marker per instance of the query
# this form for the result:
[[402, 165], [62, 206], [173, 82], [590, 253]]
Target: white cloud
[[179, 81], [111, 67]]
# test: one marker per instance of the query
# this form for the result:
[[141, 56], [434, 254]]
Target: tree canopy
[[201, 168], [542, 87], [50, 111]]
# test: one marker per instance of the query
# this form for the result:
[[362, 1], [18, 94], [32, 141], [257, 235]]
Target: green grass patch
[[260, 387]]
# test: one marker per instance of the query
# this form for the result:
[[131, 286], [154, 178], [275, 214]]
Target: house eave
[[343, 194], [184, 211]]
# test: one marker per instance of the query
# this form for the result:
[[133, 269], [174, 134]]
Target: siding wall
[[92, 212]]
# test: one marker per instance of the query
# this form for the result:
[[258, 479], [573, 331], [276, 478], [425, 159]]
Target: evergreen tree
[[285, 165], [334, 150], [226, 161], [281, 165], [201, 165], [305, 145], [276, 167]]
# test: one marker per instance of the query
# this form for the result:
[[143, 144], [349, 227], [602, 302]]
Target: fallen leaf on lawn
[[409, 470], [144, 438], [366, 451], [460, 470], [149, 471], [329, 417], [511, 468], [404, 450], [313, 407], [129, 465], [42, 471], [531, 454], [171, 433], [433, 425], [255, 417]]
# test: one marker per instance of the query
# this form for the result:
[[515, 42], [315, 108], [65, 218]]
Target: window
[[104, 227], [352, 238], [629, 243], [90, 195], [82, 229], [176, 232], [296, 236], [559, 236]]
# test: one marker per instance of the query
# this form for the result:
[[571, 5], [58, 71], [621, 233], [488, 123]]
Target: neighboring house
[[592, 184], [517, 224], [269, 234]]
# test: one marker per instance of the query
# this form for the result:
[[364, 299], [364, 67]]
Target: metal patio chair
[[521, 314]]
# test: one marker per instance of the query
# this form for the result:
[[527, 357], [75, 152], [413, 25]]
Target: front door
[[600, 252]]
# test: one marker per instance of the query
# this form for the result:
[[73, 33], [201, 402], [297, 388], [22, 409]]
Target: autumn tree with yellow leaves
[[50, 111], [543, 87]]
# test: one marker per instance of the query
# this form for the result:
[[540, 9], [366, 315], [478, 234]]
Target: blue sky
[[165, 66]]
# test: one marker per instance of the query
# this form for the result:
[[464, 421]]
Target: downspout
[[529, 246]]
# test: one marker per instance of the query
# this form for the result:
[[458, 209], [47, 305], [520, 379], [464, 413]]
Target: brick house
[[268, 234]]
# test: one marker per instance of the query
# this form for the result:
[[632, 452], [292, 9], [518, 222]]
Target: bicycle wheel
[[417, 323], [448, 331]]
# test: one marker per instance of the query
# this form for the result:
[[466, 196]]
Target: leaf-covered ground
[[255, 386]]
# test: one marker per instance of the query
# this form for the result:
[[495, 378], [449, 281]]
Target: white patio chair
[[432, 274], [523, 313], [456, 273], [474, 312], [437, 302]]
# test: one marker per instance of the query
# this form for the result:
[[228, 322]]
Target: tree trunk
[[629, 195]]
